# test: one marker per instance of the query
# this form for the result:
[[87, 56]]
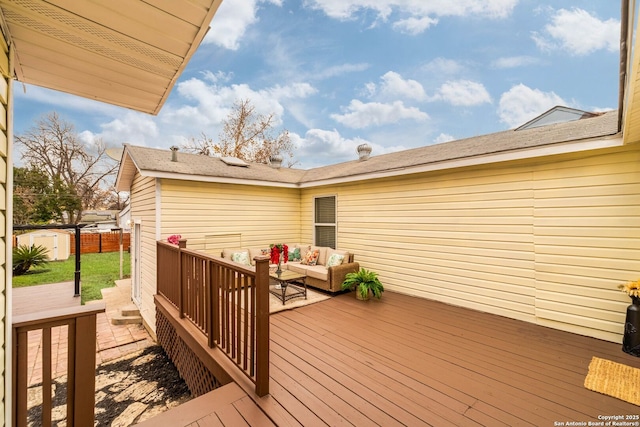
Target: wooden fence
[[226, 302], [92, 243], [81, 367]]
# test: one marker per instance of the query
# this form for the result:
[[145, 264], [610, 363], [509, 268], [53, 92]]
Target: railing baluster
[[46, 377]]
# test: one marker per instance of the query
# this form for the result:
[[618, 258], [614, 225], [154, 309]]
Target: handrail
[[228, 303], [81, 367]]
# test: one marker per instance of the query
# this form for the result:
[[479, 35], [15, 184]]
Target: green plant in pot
[[365, 282]]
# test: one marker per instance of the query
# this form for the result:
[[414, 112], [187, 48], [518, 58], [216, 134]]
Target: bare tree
[[52, 146], [246, 135]]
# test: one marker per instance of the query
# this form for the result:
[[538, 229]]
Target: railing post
[[85, 370], [262, 325], [214, 295], [182, 243]]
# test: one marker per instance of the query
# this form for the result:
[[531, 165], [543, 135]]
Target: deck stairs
[[129, 315]]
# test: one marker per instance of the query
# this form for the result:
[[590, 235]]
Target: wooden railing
[[81, 365], [229, 304]]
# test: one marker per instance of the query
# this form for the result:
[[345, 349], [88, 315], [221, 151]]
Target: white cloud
[[132, 128], [232, 20], [417, 15], [360, 115], [414, 26], [325, 146], [444, 66], [521, 104], [443, 137], [464, 93], [63, 100], [394, 86], [338, 70], [200, 107], [578, 32], [514, 61]]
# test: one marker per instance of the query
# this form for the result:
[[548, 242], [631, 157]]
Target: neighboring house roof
[[599, 131], [128, 53], [558, 114]]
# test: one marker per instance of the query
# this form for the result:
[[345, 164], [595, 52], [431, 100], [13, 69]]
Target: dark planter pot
[[631, 340]]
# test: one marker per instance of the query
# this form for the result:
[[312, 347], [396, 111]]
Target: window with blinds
[[325, 221]]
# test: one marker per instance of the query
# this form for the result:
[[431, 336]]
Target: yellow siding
[[214, 216], [143, 209], [587, 234], [545, 241]]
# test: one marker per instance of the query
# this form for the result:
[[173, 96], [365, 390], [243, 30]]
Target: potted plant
[[365, 282], [631, 339]]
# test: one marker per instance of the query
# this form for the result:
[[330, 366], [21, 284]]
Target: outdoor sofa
[[326, 273]]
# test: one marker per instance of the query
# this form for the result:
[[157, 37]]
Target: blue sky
[[397, 74]]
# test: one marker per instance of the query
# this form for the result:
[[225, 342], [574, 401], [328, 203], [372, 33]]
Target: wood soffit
[[123, 52]]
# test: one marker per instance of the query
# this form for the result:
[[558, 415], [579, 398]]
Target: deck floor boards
[[411, 361]]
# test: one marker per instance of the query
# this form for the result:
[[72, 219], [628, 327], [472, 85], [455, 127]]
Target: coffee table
[[290, 286]]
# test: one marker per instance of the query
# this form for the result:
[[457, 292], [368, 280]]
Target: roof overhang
[[123, 52]]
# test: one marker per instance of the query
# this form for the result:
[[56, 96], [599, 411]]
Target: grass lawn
[[97, 271]]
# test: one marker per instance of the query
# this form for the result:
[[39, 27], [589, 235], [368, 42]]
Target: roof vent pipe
[[364, 150], [276, 161], [174, 153]]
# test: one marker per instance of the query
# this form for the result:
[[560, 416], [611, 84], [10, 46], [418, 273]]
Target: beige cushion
[[296, 267], [254, 252], [317, 272]]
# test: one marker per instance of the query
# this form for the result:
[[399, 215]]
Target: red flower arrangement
[[276, 250], [174, 239]]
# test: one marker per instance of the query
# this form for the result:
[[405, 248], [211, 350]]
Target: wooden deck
[[411, 361], [29, 299]]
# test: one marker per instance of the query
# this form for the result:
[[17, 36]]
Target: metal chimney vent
[[364, 150], [174, 153], [275, 161]]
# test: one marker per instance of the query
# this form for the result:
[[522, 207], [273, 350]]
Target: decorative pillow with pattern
[[241, 258], [295, 255], [335, 259], [311, 258]]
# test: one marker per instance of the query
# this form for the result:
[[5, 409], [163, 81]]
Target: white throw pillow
[[241, 258], [335, 259]]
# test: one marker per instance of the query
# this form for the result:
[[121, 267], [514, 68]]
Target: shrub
[[25, 257]]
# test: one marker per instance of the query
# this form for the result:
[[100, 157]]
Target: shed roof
[[596, 132]]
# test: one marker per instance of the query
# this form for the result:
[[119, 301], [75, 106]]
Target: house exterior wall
[[214, 216], [544, 241], [143, 212], [211, 217], [6, 123]]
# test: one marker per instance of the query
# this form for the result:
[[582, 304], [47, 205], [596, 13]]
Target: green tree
[[39, 200], [246, 135], [77, 174]]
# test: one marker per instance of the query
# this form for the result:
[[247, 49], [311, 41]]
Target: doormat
[[614, 379]]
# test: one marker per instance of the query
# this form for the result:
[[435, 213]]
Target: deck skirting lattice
[[198, 378]]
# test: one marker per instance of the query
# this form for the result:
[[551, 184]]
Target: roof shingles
[[189, 166]]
